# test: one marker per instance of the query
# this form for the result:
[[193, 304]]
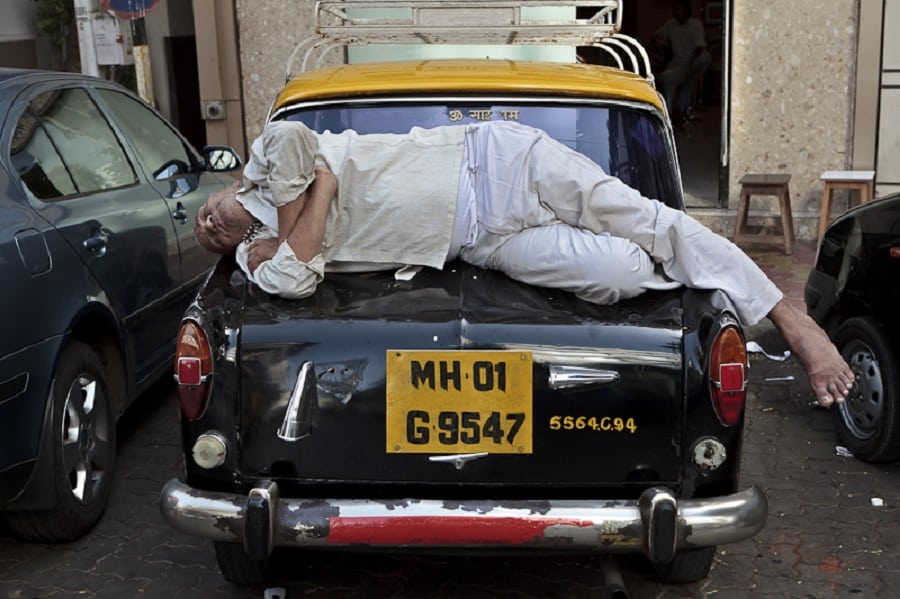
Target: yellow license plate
[[459, 402]]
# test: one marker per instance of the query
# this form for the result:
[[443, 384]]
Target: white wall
[[17, 20], [888, 173]]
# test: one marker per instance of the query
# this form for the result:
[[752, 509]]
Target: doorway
[[184, 88], [701, 137]]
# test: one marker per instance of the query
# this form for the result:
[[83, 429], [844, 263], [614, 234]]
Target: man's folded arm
[[297, 266], [308, 232]]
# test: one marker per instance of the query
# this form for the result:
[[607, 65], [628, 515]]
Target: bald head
[[222, 221]]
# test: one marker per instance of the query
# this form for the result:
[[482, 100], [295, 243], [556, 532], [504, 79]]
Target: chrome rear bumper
[[656, 525]]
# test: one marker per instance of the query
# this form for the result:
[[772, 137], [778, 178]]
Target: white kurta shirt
[[386, 183]]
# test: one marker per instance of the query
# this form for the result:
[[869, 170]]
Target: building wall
[[268, 31], [219, 72], [17, 20], [18, 34], [792, 96], [888, 156]]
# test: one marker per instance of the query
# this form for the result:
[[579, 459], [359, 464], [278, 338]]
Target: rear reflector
[[188, 371], [728, 375], [731, 378]]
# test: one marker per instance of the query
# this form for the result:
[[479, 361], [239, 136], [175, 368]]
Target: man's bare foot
[[829, 375]]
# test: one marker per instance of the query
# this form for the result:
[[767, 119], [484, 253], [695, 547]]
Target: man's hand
[[260, 251]]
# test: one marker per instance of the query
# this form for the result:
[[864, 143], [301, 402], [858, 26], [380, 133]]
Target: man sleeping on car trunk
[[498, 195]]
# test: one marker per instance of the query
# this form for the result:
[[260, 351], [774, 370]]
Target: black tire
[[868, 423], [84, 451], [239, 568], [689, 565]]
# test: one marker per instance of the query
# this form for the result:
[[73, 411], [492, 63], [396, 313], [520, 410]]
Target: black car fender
[[706, 314], [31, 483], [217, 309]]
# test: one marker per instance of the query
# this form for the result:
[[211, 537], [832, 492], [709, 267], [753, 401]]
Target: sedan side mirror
[[221, 159]]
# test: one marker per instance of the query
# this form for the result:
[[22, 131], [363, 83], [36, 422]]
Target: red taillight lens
[[193, 365], [728, 375]]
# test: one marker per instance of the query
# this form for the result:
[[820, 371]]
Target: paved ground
[[824, 538]]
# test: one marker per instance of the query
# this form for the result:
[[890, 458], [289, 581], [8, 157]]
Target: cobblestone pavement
[[824, 538]]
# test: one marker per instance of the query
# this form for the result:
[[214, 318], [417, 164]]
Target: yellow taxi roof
[[470, 76]]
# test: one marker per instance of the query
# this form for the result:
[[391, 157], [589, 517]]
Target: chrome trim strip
[[564, 377], [295, 426], [477, 99], [595, 356]]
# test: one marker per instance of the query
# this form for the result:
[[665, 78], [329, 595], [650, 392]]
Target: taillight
[[728, 375], [193, 365]]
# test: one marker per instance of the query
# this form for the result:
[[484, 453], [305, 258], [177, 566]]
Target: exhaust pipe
[[612, 580]]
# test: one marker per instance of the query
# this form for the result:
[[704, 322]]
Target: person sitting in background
[[684, 37]]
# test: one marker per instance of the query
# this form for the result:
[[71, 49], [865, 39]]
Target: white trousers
[[547, 215]]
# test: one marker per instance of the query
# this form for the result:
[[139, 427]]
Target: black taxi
[[458, 409]]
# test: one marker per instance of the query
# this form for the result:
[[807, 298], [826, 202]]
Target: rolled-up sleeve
[[285, 275], [290, 154]]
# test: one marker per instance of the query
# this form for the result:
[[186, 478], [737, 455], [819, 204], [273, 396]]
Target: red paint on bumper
[[437, 531]]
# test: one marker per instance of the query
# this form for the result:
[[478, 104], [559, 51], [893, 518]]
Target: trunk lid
[[443, 421]]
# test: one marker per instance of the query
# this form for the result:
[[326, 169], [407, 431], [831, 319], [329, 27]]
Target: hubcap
[[863, 411], [85, 438]]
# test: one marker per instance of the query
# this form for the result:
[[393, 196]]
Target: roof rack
[[341, 23]]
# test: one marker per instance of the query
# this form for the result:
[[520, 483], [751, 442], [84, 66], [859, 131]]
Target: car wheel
[[84, 451], [868, 423], [239, 568], [689, 565]]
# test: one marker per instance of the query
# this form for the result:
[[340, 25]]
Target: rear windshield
[[628, 143]]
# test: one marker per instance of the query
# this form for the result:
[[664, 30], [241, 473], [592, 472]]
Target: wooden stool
[[766, 185], [860, 181]]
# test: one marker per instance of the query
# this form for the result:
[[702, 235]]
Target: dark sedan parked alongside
[[97, 201], [853, 292]]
